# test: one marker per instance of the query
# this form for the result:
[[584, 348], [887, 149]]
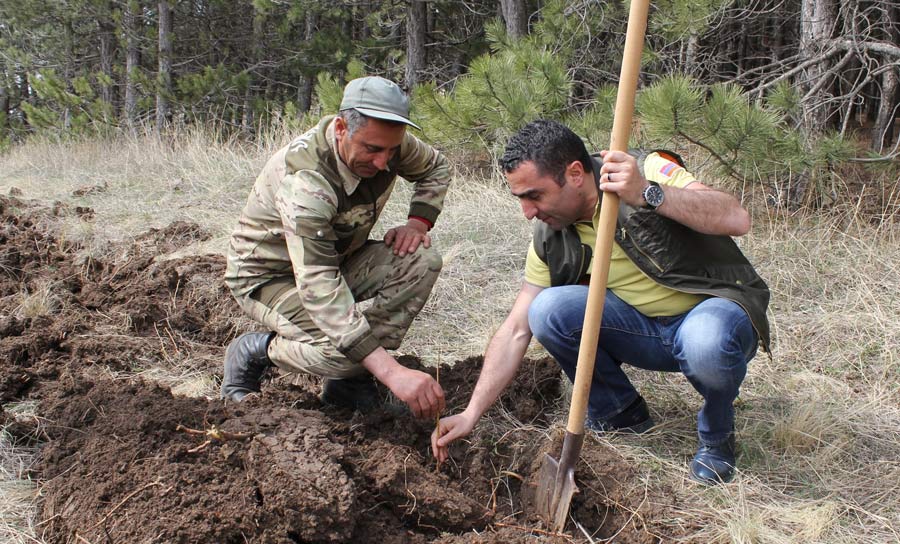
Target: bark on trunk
[[884, 129], [164, 79], [690, 54], [515, 17], [416, 15], [130, 24], [883, 132], [305, 85], [4, 110], [107, 53], [68, 41], [816, 18], [248, 118]]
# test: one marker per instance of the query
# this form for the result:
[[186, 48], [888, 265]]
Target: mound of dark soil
[[126, 310], [123, 460]]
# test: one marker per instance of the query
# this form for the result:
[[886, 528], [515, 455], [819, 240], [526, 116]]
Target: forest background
[[152, 112], [781, 93]]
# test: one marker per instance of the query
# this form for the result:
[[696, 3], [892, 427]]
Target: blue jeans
[[711, 345]]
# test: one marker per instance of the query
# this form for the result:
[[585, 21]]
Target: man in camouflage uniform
[[301, 260]]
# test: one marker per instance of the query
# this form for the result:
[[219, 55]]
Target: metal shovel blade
[[557, 483]]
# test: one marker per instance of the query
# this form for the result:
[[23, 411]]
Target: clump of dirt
[[124, 307], [125, 460]]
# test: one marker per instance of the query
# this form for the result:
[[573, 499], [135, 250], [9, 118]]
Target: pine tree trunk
[[305, 85], [247, 119], [4, 109], [164, 78], [107, 52], [130, 24], [304, 94], [816, 18], [515, 17], [884, 130], [416, 15], [690, 54], [68, 63]]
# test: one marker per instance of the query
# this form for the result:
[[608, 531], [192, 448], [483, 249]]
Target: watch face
[[653, 194]]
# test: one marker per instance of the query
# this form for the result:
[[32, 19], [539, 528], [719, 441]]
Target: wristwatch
[[653, 196]]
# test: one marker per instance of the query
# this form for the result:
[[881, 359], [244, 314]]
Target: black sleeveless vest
[[668, 252]]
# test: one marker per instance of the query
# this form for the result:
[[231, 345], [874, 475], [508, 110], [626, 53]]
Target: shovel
[[557, 484]]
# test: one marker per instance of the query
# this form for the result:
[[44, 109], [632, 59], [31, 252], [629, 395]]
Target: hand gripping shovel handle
[[590, 333], [553, 498]]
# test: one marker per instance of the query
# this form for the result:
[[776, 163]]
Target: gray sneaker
[[246, 360]]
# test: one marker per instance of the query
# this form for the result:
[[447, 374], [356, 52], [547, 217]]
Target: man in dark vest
[[681, 296]]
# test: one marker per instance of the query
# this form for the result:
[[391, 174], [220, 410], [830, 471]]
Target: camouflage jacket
[[307, 212]]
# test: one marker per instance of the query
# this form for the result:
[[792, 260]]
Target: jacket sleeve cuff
[[422, 220], [361, 348], [425, 211]]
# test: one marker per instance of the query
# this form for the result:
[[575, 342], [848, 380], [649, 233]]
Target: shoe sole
[[639, 428], [708, 482]]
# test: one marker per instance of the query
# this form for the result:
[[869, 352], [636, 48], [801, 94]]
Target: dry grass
[[818, 423], [41, 300], [17, 493], [135, 183]]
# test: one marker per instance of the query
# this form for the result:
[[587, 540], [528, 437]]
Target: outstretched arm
[[501, 362], [697, 206]]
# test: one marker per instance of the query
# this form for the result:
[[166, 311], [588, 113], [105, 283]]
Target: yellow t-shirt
[[625, 279]]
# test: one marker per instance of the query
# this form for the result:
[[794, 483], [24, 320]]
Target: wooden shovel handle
[[590, 332]]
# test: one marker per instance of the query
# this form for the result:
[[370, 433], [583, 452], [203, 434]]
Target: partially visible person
[[681, 296], [300, 260]]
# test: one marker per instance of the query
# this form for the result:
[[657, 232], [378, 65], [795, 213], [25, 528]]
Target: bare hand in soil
[[418, 390], [448, 430]]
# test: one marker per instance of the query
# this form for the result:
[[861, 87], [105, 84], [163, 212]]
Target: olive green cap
[[377, 97]]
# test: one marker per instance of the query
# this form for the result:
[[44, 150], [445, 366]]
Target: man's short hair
[[378, 98], [551, 146], [354, 120]]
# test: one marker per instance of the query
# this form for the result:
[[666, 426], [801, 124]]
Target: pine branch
[[884, 48], [731, 171]]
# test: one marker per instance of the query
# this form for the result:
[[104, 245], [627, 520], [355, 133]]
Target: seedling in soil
[[214, 434]]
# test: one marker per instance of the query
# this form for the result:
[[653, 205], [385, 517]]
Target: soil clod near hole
[[119, 464]]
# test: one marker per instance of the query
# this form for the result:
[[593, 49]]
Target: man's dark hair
[[551, 146]]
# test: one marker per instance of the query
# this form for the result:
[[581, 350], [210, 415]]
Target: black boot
[[714, 464], [357, 393], [246, 360], [634, 419]]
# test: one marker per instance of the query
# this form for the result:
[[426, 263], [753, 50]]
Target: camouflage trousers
[[397, 287]]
